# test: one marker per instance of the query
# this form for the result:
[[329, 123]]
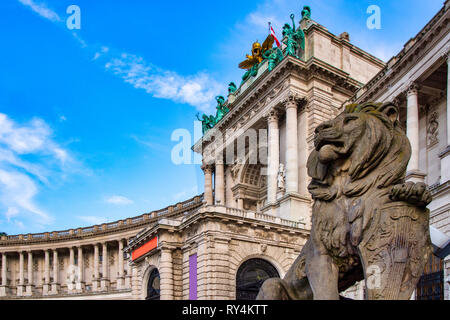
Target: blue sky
[[86, 116]]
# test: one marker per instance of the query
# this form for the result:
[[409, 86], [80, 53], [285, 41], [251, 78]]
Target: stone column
[[105, 276], [166, 274], [448, 98], [120, 275], [20, 286], [412, 131], [273, 162], [291, 145], [55, 284], [219, 180], [4, 286], [445, 154], [30, 286], [208, 184], [46, 288], [80, 284], [95, 280], [72, 269]]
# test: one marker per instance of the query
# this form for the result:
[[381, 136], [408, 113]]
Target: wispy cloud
[[197, 90], [118, 200], [41, 9], [28, 157]]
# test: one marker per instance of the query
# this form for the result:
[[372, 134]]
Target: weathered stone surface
[[367, 223]]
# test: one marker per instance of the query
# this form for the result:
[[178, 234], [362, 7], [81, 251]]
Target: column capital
[[207, 168], [446, 54], [412, 89], [272, 115], [292, 101]]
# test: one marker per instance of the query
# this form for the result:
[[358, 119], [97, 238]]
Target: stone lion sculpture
[[367, 223]]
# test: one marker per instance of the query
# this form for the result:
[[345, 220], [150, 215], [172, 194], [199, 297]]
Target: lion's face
[[368, 141], [335, 139]]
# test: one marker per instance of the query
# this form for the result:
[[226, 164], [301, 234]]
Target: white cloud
[[93, 219], [28, 156], [41, 9], [197, 90], [18, 190], [118, 200], [12, 212]]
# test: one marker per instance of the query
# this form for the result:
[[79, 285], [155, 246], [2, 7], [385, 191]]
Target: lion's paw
[[414, 193]]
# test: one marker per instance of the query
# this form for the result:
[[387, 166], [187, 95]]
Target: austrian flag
[[272, 32]]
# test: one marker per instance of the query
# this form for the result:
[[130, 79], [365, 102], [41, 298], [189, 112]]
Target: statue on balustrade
[[367, 222], [221, 108], [293, 39], [273, 56], [207, 122], [306, 12], [252, 62], [232, 88]]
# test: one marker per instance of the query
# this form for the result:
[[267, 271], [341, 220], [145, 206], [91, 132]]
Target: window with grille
[[431, 283]]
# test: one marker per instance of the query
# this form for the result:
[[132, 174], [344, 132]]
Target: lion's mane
[[380, 156]]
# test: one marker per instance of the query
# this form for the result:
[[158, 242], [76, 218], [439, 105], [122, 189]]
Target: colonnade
[[75, 273], [215, 192]]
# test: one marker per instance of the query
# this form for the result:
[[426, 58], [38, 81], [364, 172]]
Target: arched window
[[153, 290], [250, 277]]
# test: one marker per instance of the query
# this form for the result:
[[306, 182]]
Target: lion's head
[[366, 137]]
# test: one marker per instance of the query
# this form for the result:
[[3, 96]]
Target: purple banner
[[193, 277]]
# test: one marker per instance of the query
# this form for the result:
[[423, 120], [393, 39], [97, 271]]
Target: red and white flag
[[272, 32]]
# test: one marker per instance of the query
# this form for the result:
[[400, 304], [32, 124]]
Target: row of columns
[[292, 172], [50, 288], [413, 133]]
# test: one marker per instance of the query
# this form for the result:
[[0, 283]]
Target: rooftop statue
[[206, 122], [306, 12], [367, 223], [222, 110], [232, 88], [273, 56], [293, 39], [252, 62]]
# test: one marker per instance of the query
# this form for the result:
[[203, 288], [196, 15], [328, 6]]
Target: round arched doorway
[[250, 277], [153, 289]]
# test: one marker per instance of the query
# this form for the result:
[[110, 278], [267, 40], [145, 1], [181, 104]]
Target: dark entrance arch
[[153, 290], [250, 277]]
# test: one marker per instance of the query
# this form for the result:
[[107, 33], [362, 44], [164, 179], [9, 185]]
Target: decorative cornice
[[414, 47], [96, 231]]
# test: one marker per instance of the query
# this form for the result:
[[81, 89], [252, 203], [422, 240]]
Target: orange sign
[[146, 247]]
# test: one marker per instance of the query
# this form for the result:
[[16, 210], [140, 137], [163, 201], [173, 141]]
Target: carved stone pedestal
[[29, 290], [80, 287], [296, 208], [4, 291], [120, 282], [96, 284], [55, 288], [20, 290], [46, 288], [104, 285]]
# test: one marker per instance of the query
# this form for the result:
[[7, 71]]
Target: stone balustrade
[[76, 262]]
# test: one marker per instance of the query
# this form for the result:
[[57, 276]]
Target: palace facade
[[254, 216]]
